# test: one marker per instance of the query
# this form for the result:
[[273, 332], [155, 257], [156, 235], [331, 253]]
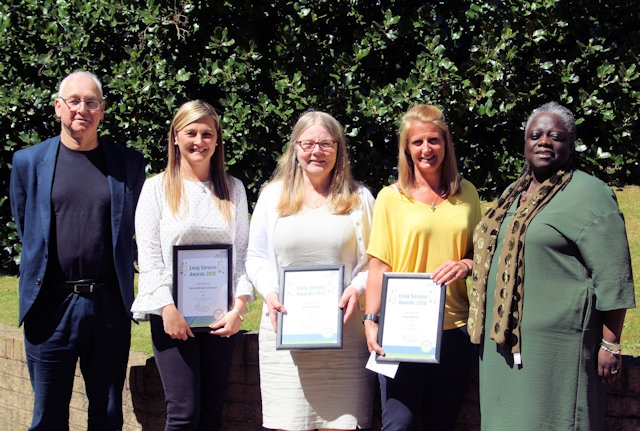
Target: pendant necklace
[[526, 195], [433, 205], [317, 202], [193, 178], [204, 185]]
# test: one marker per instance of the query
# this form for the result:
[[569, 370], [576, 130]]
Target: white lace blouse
[[157, 231]]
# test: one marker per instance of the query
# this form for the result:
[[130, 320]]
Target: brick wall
[[143, 402]]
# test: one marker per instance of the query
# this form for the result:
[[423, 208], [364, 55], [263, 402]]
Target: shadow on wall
[[147, 396]]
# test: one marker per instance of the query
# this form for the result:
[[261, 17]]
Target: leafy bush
[[262, 63]]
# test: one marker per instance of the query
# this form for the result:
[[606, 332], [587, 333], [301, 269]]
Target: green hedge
[[262, 63]]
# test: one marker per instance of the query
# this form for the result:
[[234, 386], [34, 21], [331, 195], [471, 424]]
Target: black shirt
[[80, 243]]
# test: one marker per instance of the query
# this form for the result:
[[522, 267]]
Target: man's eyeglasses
[[325, 145], [91, 105]]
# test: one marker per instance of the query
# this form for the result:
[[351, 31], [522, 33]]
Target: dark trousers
[[63, 327], [194, 377], [428, 396]]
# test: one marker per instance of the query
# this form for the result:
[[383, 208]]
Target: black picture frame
[[202, 282]]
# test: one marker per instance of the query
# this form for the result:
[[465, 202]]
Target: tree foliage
[[487, 64]]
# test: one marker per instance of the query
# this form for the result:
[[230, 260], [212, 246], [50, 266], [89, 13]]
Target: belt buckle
[[77, 286]]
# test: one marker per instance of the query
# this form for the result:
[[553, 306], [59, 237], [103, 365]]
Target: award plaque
[[411, 316], [313, 319], [202, 283]]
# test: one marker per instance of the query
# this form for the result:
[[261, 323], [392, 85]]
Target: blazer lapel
[[44, 174]]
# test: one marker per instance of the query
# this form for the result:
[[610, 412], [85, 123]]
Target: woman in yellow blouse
[[424, 223]]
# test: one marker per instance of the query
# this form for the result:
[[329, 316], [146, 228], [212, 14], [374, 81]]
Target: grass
[[9, 300], [140, 333], [628, 197]]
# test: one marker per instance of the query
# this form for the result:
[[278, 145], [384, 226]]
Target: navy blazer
[[32, 172]]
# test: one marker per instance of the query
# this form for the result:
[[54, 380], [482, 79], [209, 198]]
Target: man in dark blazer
[[73, 198]]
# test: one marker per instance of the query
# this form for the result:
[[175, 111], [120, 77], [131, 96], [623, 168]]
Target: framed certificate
[[411, 315], [202, 285], [313, 319]]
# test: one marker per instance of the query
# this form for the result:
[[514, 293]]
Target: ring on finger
[[614, 371]]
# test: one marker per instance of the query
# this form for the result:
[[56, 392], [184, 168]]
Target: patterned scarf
[[507, 312]]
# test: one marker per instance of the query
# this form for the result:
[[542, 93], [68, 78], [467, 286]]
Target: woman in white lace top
[[194, 201]]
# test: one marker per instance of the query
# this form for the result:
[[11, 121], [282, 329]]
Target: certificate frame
[[202, 283], [310, 295], [411, 317]]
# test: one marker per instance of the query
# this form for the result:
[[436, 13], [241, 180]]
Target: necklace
[[314, 202], [315, 196], [439, 194], [526, 195], [204, 185]]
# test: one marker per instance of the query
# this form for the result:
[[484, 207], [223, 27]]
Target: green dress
[[577, 264]]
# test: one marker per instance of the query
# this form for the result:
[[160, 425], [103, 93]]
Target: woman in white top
[[194, 201], [313, 213]]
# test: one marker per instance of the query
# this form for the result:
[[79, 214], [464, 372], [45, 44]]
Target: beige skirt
[[309, 389]]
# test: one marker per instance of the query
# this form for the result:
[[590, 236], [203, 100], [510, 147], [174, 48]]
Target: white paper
[[388, 369]]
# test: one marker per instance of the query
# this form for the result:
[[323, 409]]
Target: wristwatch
[[373, 317]]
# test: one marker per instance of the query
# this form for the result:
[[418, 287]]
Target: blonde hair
[[188, 113], [449, 178], [343, 195]]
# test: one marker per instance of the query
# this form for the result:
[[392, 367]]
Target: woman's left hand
[[349, 302], [449, 272], [610, 362], [609, 366], [227, 325]]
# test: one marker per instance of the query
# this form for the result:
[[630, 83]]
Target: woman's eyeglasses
[[325, 145]]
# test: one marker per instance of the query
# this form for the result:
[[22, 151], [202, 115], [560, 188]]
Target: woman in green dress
[[551, 284]]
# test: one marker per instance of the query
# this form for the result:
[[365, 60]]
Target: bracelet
[[613, 346], [373, 317], [238, 313], [468, 269], [613, 353]]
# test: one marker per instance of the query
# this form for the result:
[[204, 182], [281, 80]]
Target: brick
[[251, 348], [631, 406], [11, 369], [614, 405], [253, 375], [243, 426], [469, 414], [237, 373], [626, 425], [17, 385], [471, 393], [631, 370], [4, 349]]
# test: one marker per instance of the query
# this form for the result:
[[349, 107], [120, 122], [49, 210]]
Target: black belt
[[88, 285]]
